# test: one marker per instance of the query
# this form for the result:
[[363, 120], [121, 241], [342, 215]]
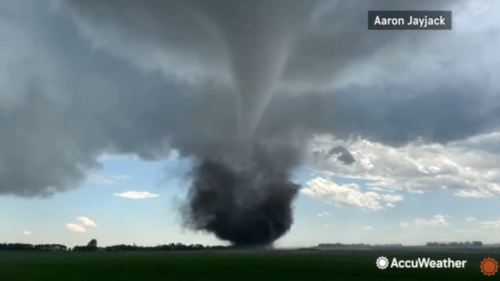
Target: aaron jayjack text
[[413, 21]]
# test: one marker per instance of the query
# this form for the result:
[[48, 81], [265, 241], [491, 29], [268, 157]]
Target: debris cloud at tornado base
[[247, 203]]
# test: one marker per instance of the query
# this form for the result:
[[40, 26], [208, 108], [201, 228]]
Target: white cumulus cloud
[[347, 195], [137, 195], [437, 220], [468, 167], [323, 214], [75, 227], [26, 232], [86, 221], [80, 226], [490, 224]]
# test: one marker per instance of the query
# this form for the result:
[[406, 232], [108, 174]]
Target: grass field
[[235, 265]]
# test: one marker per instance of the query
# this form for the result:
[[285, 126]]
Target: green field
[[234, 265]]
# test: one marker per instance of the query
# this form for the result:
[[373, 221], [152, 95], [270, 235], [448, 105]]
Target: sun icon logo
[[489, 266], [382, 262]]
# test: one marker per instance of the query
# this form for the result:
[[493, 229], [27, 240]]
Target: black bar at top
[[409, 20]]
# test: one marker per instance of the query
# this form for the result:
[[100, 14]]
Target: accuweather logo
[[383, 263], [489, 266]]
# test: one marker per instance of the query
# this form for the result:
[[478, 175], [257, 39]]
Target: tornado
[[247, 200], [241, 190]]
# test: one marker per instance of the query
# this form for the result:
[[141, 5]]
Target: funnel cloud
[[258, 36]]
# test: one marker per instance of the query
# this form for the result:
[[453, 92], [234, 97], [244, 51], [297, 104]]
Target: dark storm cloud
[[63, 104], [446, 114], [342, 154], [243, 40], [145, 77], [338, 38]]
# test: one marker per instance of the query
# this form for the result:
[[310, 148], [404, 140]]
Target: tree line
[[93, 247], [466, 243]]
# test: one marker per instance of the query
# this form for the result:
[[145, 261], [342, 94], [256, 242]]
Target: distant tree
[[92, 245]]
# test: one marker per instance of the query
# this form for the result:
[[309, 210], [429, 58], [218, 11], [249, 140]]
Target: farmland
[[237, 265]]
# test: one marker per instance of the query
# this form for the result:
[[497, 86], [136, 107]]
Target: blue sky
[[152, 221]]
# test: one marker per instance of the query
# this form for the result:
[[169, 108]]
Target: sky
[[103, 109]]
